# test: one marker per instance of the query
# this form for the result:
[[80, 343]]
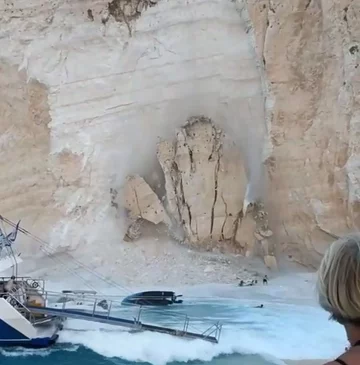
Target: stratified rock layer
[[116, 78], [27, 182]]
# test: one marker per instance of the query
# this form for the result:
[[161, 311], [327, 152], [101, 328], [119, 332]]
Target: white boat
[[18, 325], [30, 316]]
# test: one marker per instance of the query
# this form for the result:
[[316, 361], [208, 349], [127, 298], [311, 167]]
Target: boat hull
[[16, 330], [34, 343]]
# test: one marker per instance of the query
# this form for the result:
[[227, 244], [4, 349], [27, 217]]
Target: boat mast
[[7, 241]]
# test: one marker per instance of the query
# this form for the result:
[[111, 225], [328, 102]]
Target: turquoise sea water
[[250, 336], [63, 356]]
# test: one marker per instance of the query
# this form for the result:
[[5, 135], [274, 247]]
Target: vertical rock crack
[[216, 173], [226, 217]]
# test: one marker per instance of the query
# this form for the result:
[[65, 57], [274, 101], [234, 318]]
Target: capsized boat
[[152, 298]]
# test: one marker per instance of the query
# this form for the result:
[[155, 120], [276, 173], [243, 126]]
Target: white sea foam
[[290, 326], [279, 330], [24, 352]]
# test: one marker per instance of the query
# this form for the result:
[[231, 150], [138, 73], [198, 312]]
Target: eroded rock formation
[[205, 186]]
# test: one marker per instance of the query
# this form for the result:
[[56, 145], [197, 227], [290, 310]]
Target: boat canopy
[[152, 298]]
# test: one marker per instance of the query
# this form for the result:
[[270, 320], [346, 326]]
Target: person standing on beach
[[338, 287], [265, 280]]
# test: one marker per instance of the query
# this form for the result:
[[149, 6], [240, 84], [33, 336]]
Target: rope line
[[48, 250], [51, 253]]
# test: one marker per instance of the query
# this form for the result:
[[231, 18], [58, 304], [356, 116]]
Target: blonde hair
[[338, 281]]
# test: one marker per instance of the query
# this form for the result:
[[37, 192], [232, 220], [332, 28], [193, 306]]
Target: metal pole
[[16, 264], [64, 303], [109, 309], [220, 328], [185, 324], [93, 313], [138, 319]]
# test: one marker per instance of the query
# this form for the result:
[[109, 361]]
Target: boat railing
[[17, 304], [94, 295], [215, 329], [93, 304], [112, 306], [76, 295], [37, 285], [79, 298]]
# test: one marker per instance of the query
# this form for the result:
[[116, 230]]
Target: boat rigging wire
[[49, 251], [10, 251]]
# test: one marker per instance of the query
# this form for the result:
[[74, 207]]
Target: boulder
[[205, 182], [141, 201]]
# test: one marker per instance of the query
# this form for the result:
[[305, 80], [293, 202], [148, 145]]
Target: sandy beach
[[209, 283]]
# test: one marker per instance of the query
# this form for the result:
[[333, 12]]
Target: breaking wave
[[276, 331], [288, 327]]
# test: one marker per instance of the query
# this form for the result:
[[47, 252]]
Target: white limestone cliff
[[309, 54], [87, 91]]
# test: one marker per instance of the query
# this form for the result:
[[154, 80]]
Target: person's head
[[338, 281], [13, 277]]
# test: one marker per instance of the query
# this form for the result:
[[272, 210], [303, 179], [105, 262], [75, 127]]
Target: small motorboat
[[152, 298]]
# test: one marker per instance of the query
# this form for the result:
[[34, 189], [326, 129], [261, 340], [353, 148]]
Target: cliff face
[[88, 88], [310, 58]]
